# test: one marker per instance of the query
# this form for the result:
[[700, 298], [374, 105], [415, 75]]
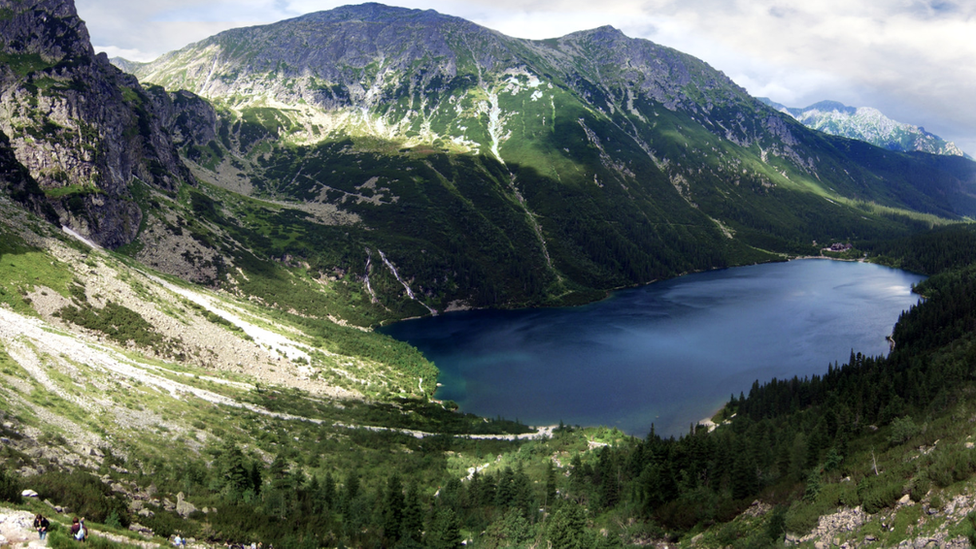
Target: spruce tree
[[550, 485], [567, 527], [444, 532], [413, 515], [237, 478], [393, 505]]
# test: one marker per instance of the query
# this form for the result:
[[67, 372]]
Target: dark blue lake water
[[670, 353]]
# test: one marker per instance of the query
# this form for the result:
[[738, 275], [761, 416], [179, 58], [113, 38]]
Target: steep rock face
[[83, 129]]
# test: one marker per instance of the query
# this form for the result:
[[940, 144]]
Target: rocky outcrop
[[82, 129]]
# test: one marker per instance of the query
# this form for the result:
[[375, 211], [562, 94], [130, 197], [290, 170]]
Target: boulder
[[28, 494], [183, 507], [140, 529]]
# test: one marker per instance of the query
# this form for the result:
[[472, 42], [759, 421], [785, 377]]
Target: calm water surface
[[670, 353]]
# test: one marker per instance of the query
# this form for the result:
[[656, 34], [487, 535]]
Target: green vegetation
[[23, 268], [25, 63], [491, 190], [116, 321], [9, 487], [867, 433], [71, 190], [85, 494]]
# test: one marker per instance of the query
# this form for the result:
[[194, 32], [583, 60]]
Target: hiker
[[177, 541], [41, 524], [78, 530]]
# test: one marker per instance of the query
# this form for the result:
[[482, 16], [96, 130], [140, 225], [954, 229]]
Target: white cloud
[[130, 54]]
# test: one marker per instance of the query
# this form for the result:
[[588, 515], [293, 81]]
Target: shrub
[[970, 524], [9, 487], [880, 496], [83, 493], [919, 488], [61, 539], [902, 429], [951, 466], [165, 524]]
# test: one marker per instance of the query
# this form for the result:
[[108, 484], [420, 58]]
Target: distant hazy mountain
[[870, 125]]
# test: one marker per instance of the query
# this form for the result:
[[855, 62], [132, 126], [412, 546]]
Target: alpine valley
[[195, 250]]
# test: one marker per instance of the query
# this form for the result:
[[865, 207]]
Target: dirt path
[[17, 530]]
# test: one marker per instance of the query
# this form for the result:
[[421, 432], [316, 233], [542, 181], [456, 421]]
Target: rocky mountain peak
[[49, 29], [606, 33], [372, 12], [830, 106]]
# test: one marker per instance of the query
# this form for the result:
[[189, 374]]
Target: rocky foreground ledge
[[16, 529]]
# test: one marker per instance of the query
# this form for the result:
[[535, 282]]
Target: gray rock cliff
[[83, 130]]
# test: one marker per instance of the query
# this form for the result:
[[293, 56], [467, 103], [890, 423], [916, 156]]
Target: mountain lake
[[670, 353]]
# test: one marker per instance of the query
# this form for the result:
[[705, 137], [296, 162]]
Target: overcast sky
[[913, 60]]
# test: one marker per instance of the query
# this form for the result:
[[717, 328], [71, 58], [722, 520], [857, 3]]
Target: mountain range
[[870, 125], [511, 171], [193, 253]]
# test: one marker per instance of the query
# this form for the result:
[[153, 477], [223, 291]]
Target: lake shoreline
[[674, 349], [459, 306]]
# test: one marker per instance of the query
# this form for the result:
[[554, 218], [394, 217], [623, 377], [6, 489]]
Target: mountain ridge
[[600, 161], [870, 125]]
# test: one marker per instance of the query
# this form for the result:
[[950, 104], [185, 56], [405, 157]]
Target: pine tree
[[256, 480], [351, 490], [744, 480], [413, 515], [522, 489], [577, 479], [325, 497], [236, 477], [609, 485], [393, 505], [567, 527], [506, 492], [444, 531], [550, 485]]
